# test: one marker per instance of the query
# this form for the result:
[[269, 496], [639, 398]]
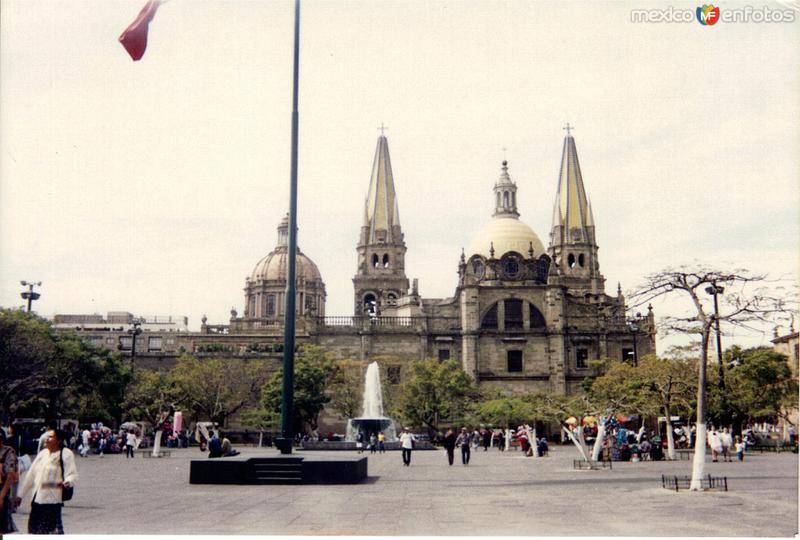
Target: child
[[739, 449]]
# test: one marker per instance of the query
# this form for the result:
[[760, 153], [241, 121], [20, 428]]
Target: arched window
[[537, 319], [513, 199], [375, 260], [505, 199], [489, 321], [370, 305], [571, 260], [391, 299], [386, 260], [270, 305], [580, 260]]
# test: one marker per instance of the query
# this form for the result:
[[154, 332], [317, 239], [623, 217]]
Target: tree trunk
[[576, 443], [670, 437], [533, 441], [699, 463], [601, 434], [157, 442], [260, 438]]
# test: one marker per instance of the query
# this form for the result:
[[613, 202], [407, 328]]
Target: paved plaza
[[497, 494]]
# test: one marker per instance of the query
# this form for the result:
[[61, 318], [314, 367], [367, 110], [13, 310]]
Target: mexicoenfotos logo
[[708, 15]]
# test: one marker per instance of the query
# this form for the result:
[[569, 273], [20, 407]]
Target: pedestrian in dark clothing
[[449, 444], [487, 439], [463, 441]]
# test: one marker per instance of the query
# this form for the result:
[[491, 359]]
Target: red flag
[[134, 38]]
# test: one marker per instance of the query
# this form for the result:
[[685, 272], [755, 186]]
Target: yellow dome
[[273, 267], [507, 234]]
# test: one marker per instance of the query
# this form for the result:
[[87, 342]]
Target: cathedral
[[522, 318]]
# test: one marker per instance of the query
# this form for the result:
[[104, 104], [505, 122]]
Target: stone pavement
[[497, 494]]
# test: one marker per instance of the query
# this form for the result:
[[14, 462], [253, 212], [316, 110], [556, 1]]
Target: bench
[[149, 453], [768, 446]]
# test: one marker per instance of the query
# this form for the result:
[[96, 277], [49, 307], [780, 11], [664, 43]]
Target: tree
[[346, 388], [761, 384], [620, 390], [741, 307], [46, 373], [214, 389], [432, 390], [313, 370], [153, 397], [672, 383]]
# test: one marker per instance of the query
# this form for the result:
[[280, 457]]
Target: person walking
[[360, 441], [381, 443], [727, 441], [130, 443], [487, 439], [9, 474], [373, 443], [449, 444], [407, 444], [715, 442], [463, 442], [51, 471]]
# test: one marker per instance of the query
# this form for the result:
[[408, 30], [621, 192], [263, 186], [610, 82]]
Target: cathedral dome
[[273, 267], [505, 233], [266, 285]]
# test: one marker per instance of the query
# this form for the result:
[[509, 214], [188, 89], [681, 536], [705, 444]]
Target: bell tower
[[380, 278], [573, 246]]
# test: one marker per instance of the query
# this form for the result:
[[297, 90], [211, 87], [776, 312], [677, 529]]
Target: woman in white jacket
[[53, 469]]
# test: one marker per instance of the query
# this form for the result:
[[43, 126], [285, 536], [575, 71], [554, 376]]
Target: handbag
[[66, 492]]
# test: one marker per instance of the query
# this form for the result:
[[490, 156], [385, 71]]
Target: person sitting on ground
[[227, 448], [214, 446]]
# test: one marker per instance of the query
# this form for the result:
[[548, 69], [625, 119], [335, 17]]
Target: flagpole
[[285, 441]]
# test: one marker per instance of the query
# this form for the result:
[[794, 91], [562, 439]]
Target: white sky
[[154, 187]]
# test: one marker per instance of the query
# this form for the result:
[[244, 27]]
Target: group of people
[[50, 477], [376, 443], [721, 443]]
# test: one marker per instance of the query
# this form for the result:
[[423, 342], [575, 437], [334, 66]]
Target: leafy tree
[[214, 389], [761, 385], [432, 390], [347, 388], [152, 396], [313, 369], [55, 375]]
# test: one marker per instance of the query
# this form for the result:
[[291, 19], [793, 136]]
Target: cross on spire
[[504, 153], [568, 128], [382, 128]]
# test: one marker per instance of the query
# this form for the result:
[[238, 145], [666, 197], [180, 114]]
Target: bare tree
[[747, 300]]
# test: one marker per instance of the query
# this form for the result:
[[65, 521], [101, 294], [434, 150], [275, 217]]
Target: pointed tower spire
[[381, 277], [381, 213], [572, 212], [573, 246]]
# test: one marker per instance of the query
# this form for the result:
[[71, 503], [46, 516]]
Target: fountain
[[372, 419]]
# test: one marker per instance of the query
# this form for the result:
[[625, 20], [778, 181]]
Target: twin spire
[[572, 214], [381, 213]]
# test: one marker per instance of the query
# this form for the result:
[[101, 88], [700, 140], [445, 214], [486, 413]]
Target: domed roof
[[273, 266], [506, 233]]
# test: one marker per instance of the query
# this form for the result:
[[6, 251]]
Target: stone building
[[522, 318]]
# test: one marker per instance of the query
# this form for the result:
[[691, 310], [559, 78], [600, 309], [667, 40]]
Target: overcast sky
[[154, 187]]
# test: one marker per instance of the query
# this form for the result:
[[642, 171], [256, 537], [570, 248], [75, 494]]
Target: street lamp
[[134, 332], [633, 328], [715, 290], [29, 295]]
